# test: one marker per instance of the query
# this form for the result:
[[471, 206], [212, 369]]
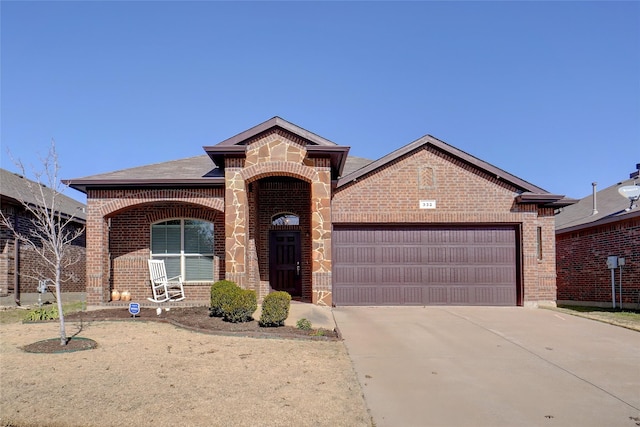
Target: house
[[21, 268], [277, 207], [604, 224]]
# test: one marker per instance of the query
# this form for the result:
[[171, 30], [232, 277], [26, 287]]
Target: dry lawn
[[155, 374]]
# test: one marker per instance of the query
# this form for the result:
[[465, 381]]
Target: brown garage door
[[419, 266]]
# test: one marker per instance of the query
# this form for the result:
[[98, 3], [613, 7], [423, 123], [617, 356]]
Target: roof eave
[[83, 185], [545, 200], [218, 153], [602, 221], [337, 153]]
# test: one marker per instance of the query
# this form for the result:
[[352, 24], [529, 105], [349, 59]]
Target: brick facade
[[583, 276], [30, 266], [120, 231], [278, 168], [463, 195]]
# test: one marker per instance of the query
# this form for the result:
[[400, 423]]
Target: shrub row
[[235, 304], [231, 302]]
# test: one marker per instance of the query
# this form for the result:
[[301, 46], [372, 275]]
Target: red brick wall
[[118, 236], [130, 236], [581, 262], [463, 195], [31, 266]]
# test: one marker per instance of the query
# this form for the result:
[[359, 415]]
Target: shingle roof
[[189, 168], [16, 187], [202, 170], [192, 170], [354, 163], [611, 206]]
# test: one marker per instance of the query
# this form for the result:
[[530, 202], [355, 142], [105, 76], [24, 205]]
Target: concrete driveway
[[492, 366]]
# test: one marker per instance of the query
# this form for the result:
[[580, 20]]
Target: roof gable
[[315, 145], [244, 138], [529, 192]]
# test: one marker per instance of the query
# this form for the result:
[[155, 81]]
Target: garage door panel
[[392, 295], [412, 275], [412, 255], [505, 295], [457, 255], [432, 254], [459, 295], [485, 294], [395, 265], [391, 275], [437, 295]]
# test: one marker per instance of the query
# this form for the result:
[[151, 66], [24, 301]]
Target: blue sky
[[548, 91]]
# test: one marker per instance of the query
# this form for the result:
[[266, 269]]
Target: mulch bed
[[53, 345], [192, 318], [198, 319]]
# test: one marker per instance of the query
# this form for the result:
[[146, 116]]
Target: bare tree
[[53, 230]]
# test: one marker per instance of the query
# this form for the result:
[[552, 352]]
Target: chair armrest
[[172, 279]]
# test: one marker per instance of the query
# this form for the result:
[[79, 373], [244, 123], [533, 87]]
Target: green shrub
[[275, 309], [42, 313], [221, 293], [303, 324], [240, 306]]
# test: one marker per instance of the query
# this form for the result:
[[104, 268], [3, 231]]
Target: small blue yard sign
[[134, 308]]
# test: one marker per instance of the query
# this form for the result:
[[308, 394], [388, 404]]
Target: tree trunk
[[63, 332]]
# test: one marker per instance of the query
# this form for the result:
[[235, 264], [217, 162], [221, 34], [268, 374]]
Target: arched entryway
[[279, 226]]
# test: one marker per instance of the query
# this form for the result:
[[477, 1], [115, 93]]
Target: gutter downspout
[[595, 205]]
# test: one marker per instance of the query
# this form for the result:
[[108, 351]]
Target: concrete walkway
[[492, 366]]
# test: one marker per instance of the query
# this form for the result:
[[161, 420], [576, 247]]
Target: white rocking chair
[[163, 288]]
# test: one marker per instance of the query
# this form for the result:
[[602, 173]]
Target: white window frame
[[182, 255]]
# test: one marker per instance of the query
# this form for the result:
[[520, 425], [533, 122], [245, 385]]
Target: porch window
[[285, 219], [186, 246]]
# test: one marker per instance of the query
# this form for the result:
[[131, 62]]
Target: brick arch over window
[[181, 211], [267, 169], [163, 195]]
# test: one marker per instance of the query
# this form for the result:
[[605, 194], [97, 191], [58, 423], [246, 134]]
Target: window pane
[[172, 264], [198, 237], [285, 219], [199, 267], [165, 237]]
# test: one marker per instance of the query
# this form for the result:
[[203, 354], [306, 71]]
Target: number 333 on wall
[[427, 204]]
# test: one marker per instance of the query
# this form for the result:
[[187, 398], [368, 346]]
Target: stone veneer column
[[235, 223], [321, 235], [97, 259]]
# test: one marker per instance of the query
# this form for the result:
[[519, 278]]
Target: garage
[[418, 265]]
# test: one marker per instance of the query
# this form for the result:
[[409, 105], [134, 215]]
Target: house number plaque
[[427, 204]]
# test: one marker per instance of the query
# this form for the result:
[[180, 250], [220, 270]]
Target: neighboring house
[[16, 257], [587, 233], [277, 207]]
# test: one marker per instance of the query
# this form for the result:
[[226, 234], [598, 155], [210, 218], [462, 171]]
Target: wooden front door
[[284, 262]]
